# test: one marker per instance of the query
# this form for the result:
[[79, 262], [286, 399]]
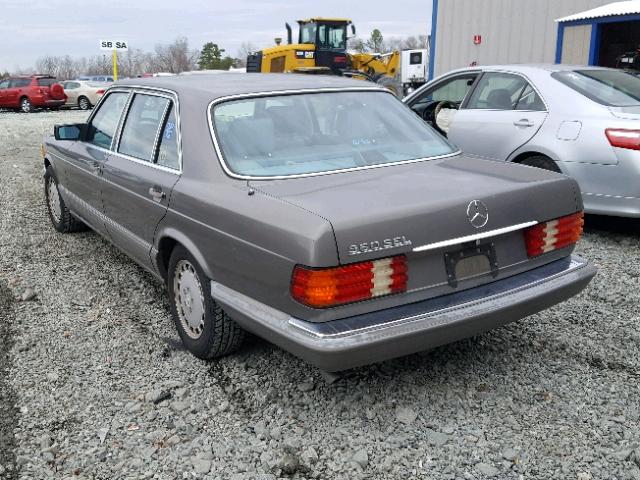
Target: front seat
[[499, 99]]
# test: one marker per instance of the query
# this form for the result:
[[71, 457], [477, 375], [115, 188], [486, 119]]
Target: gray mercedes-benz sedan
[[319, 213]]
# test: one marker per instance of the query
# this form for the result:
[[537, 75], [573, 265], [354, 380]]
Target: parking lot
[[94, 382]]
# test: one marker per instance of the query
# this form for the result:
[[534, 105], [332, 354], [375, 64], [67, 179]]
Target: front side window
[[332, 36], [141, 127], [453, 90], [500, 91], [104, 123], [308, 33], [321, 132], [168, 149], [607, 87]]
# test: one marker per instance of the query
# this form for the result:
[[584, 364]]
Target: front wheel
[[60, 216], [205, 329], [26, 106]]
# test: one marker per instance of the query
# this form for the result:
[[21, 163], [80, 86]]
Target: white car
[[83, 94], [581, 121]]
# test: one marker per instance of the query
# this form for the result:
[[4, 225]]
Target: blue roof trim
[[596, 30], [432, 43]]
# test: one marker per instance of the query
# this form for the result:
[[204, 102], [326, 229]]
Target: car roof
[[212, 86], [526, 67]]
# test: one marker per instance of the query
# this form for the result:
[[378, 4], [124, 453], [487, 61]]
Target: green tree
[[211, 58], [376, 41]]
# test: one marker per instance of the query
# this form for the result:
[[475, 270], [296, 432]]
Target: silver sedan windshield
[[308, 133]]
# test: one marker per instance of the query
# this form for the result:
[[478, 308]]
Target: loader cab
[[329, 36]]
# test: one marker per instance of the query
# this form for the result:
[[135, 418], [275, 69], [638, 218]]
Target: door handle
[[157, 194], [524, 122], [95, 167]]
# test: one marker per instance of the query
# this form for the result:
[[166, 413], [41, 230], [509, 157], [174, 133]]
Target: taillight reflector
[[554, 234], [622, 138], [327, 287], [339, 59], [100, 92]]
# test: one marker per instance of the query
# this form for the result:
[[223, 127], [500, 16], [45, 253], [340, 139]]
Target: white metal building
[[483, 32]]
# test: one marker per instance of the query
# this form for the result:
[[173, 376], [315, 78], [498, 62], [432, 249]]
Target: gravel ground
[[94, 383]]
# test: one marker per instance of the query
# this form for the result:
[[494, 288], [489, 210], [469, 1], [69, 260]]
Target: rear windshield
[[321, 132], [46, 82], [607, 87]]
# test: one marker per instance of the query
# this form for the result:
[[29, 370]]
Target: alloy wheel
[[53, 197], [189, 299]]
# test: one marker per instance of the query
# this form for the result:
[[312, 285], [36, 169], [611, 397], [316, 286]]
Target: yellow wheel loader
[[322, 49]]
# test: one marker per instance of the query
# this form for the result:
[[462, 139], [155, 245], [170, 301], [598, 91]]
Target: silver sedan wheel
[[189, 299], [83, 103], [53, 197]]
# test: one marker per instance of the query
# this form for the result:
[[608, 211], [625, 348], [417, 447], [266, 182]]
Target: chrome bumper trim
[[438, 307]]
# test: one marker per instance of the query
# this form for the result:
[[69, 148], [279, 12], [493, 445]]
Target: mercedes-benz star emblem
[[477, 213]]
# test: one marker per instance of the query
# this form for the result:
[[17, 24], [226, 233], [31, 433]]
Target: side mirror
[[353, 29], [69, 132]]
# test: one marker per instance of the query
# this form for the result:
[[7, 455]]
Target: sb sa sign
[[114, 45]]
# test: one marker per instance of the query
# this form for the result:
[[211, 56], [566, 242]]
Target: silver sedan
[[581, 121]]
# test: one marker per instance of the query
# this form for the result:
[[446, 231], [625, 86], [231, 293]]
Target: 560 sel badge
[[377, 245]]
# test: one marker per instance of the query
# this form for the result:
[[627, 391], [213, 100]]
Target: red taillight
[[100, 92], [623, 138], [554, 234], [339, 59], [327, 287]]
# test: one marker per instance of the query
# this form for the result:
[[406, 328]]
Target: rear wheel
[[540, 161], [205, 329], [60, 216], [84, 103], [25, 105]]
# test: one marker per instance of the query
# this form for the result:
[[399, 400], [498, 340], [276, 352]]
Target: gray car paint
[[249, 235], [570, 132]]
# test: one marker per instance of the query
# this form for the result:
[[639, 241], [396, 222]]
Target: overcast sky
[[33, 28]]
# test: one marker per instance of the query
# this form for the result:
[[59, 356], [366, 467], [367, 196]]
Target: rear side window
[[168, 149], [504, 91], [104, 123], [46, 82], [142, 125], [607, 87], [19, 83], [4, 84]]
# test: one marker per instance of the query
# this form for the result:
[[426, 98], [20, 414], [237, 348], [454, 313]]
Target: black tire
[[84, 103], [540, 161], [25, 105], [391, 84], [63, 221], [218, 335]]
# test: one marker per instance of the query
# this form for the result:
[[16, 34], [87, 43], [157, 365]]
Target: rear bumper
[[363, 339]]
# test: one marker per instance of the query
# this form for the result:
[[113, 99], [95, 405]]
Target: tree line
[[177, 57]]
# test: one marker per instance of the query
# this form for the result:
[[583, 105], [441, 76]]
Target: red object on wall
[[477, 39]]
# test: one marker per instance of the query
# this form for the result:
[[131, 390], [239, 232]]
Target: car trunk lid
[[381, 212]]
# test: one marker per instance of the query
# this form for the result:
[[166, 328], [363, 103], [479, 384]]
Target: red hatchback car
[[29, 93]]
